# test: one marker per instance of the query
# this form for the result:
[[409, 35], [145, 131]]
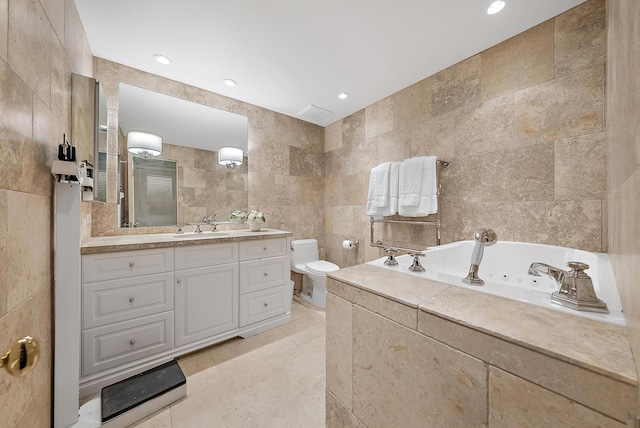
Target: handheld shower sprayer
[[484, 238]]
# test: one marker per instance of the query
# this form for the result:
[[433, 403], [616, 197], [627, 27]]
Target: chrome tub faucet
[[484, 238], [576, 287]]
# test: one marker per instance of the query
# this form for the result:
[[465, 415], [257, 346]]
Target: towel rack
[[440, 164]]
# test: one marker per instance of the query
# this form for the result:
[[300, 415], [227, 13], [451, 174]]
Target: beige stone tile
[[586, 385], [305, 330], [41, 328], [333, 191], [261, 124], [522, 61], [339, 360], [102, 218], [4, 227], [565, 107], [516, 402], [355, 188], [61, 89], [298, 133], [581, 167], [181, 90], [379, 118], [55, 13], [522, 173], [412, 104], [361, 157], [353, 129], [342, 220], [581, 37], [196, 363], [39, 410], [31, 32], [425, 383], [275, 159], [456, 86], [261, 189], [74, 36], [394, 146], [193, 177], [549, 222], [436, 136], [28, 215], [303, 368], [469, 217], [487, 127], [461, 180], [16, 148], [305, 162], [333, 136], [17, 391], [159, 419], [47, 134], [339, 416], [385, 283], [110, 74], [4, 29]]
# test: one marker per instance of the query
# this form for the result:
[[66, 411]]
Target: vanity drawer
[[263, 304], [195, 256], [120, 343], [122, 264], [251, 250], [118, 300], [263, 273]]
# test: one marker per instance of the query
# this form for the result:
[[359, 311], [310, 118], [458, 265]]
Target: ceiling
[[288, 54]]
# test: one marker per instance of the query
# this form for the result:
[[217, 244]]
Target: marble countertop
[[593, 345], [107, 244]]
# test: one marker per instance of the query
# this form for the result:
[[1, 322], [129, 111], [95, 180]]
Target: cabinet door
[[206, 302]]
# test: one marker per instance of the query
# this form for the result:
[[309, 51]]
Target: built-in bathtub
[[504, 269]]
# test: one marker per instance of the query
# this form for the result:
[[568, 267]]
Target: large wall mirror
[[186, 182]]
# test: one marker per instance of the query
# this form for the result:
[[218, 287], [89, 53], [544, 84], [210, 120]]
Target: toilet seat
[[321, 266]]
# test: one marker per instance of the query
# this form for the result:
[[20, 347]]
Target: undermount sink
[[192, 235]]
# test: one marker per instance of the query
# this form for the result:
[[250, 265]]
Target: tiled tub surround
[[406, 351], [149, 298]]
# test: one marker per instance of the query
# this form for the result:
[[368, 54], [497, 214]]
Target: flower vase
[[255, 226]]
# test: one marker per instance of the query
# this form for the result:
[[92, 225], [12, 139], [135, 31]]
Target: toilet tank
[[304, 251]]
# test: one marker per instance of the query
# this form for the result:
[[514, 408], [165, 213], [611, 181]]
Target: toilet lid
[[321, 266]]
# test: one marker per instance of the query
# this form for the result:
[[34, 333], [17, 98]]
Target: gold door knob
[[21, 357]]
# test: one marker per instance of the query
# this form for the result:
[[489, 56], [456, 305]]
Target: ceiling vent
[[312, 112]]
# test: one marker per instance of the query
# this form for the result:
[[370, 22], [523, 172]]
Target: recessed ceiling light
[[162, 59], [343, 95], [230, 82], [496, 6]]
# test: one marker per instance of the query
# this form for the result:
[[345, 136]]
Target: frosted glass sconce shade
[[144, 144], [231, 157]]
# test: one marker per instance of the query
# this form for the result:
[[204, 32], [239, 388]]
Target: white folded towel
[[377, 204], [418, 192]]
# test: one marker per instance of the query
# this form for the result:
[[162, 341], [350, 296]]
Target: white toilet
[[304, 260]]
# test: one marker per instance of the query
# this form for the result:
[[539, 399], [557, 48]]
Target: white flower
[[255, 215]]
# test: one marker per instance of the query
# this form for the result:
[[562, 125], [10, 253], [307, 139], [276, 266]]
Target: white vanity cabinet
[[141, 308], [264, 280], [206, 293], [127, 307]]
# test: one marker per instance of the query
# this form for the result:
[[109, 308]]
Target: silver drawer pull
[[266, 274], [132, 342], [131, 264], [266, 304], [131, 299], [264, 248], [179, 281]]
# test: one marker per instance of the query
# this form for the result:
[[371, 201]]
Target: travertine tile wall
[[523, 126], [286, 156], [623, 100], [41, 44]]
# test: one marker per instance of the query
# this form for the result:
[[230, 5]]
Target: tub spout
[[484, 238], [575, 287]]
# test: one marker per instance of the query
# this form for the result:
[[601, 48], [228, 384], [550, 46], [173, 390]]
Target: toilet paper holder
[[348, 244]]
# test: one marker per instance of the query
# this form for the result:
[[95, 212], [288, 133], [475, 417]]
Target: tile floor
[[274, 379]]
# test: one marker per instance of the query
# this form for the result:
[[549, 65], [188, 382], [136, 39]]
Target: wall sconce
[[231, 157], [144, 144]]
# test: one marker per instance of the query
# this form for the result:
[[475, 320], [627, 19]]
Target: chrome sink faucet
[[576, 287], [484, 238]]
